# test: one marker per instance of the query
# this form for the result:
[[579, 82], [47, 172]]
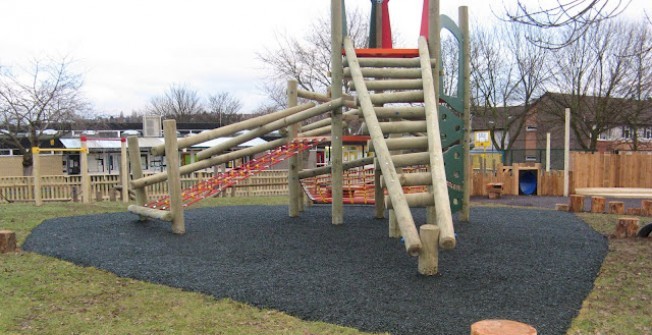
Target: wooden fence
[[67, 188], [631, 169], [548, 183]]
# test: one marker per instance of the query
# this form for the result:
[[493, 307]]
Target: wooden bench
[[494, 190]]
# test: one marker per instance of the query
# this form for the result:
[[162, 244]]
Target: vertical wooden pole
[[547, 152], [137, 171], [566, 151], [463, 15], [434, 48], [124, 170], [336, 123], [293, 164], [174, 177], [379, 194], [36, 174], [394, 229], [429, 255], [83, 166]]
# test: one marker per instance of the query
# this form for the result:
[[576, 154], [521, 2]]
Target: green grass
[[44, 295]]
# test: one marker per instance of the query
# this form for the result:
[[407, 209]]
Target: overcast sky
[[131, 50]]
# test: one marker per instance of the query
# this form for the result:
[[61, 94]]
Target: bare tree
[[594, 73], [576, 16], [307, 59], [178, 102], [224, 107], [37, 99]]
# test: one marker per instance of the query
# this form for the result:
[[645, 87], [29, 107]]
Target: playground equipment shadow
[[534, 266]]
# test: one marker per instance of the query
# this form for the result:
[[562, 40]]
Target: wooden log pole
[[598, 204], [36, 173], [7, 241], [395, 73], [396, 97], [616, 207], [124, 170], [337, 178], [416, 158], [414, 200], [576, 203], [463, 15], [428, 264], [391, 84], [186, 142], [403, 213], [379, 192], [293, 164], [401, 112], [394, 229], [151, 212], [439, 184], [348, 100], [400, 127], [83, 166], [174, 176], [136, 171], [404, 143], [501, 327], [308, 173], [388, 62]]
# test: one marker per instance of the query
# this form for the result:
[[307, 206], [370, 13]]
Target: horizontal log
[[327, 169], [414, 200], [400, 127], [388, 62], [272, 126], [397, 97], [405, 143], [416, 158], [401, 112], [386, 73], [189, 141], [616, 192], [327, 121], [150, 212], [392, 84], [316, 132]]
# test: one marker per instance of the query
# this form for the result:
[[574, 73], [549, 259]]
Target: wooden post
[[394, 230], [83, 166], [646, 207], [429, 255], [124, 170], [597, 204], [379, 193], [137, 171], [463, 15], [293, 164], [501, 327], [561, 207], [7, 241], [567, 151], [36, 174], [576, 203], [337, 72], [547, 152], [626, 227], [616, 207], [174, 177]]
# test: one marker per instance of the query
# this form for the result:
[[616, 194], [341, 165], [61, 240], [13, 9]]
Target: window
[[5, 152], [647, 133], [530, 128], [531, 158], [627, 132]]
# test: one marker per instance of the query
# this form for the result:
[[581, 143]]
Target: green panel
[[454, 165], [451, 127]]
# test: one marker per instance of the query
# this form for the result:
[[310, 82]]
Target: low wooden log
[[501, 327], [646, 207], [616, 207], [401, 112], [576, 203], [405, 143], [561, 207], [414, 200], [386, 73], [598, 204], [626, 227], [428, 264], [634, 211], [417, 158], [150, 212], [7, 241]]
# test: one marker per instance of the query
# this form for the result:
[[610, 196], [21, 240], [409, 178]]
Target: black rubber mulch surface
[[534, 266]]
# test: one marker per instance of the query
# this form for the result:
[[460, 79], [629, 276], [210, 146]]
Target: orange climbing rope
[[222, 181]]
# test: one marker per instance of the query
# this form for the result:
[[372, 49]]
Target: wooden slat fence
[[631, 169]]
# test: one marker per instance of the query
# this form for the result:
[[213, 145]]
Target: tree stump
[[616, 207], [597, 204], [7, 241], [626, 227], [561, 207], [633, 211], [501, 327], [576, 203], [646, 207]]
